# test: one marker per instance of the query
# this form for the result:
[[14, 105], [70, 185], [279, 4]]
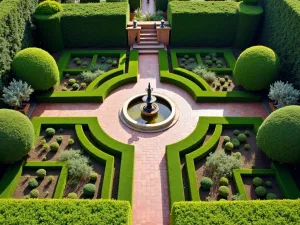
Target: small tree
[[16, 93]]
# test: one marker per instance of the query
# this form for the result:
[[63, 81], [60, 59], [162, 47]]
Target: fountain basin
[[165, 117]]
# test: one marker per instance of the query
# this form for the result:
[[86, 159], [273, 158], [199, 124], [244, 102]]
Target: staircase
[[148, 38]]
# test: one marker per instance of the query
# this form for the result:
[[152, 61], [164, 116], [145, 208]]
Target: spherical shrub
[[78, 63], [269, 183], [224, 181], [85, 63], [76, 59], [42, 142], [236, 143], [242, 138], [45, 147], [50, 179], [16, 136], [67, 75], [208, 62], [225, 87], [247, 147], [278, 136], [214, 59], [226, 77], [64, 89], [109, 61], [34, 193], [50, 132], [213, 54], [208, 57], [114, 63], [222, 81], [236, 132], [226, 139], [75, 86], [219, 66], [93, 176], [59, 139], [61, 130], [183, 60], [186, 56], [89, 190], [260, 191], [70, 141], [229, 146], [219, 62], [223, 191], [71, 81], [33, 183], [72, 195], [48, 8], [54, 146], [256, 68], [218, 86], [37, 67], [206, 183], [41, 173], [271, 196], [247, 133], [257, 181], [83, 85], [44, 158]]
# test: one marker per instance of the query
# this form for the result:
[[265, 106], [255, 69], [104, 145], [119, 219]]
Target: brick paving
[[151, 201]]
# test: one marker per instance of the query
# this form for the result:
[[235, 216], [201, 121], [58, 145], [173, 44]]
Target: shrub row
[[281, 33], [53, 212], [236, 212], [85, 25], [15, 30], [217, 24]]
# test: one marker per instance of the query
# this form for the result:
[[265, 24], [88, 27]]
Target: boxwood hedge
[[55, 212], [276, 212]]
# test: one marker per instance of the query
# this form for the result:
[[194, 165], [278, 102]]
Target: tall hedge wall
[[15, 29], [281, 32], [213, 24], [275, 212], [55, 212]]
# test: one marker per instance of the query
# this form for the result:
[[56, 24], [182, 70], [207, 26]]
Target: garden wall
[[281, 31], [236, 212], [15, 29], [85, 25], [213, 24]]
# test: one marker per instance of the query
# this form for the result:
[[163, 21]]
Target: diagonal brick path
[[151, 203]]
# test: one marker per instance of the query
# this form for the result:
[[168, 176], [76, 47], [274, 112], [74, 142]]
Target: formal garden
[[149, 112]]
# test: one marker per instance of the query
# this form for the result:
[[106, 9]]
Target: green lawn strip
[[65, 211], [195, 156], [100, 156]]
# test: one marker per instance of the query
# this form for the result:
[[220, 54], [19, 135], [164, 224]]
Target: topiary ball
[[206, 183], [50, 132], [33, 183], [278, 136], [48, 8], [236, 132], [224, 181], [34, 193], [271, 196], [72, 195], [226, 139], [260, 191], [16, 136], [247, 147], [89, 190], [229, 146], [269, 184], [54, 146], [256, 68], [93, 176], [242, 138], [223, 191], [236, 143], [41, 173], [37, 67], [257, 181]]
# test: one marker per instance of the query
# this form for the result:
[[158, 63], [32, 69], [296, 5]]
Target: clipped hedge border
[[193, 143], [107, 144], [195, 86], [101, 87], [66, 211]]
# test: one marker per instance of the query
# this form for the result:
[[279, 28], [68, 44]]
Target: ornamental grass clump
[[203, 72]]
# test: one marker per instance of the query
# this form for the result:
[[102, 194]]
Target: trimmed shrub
[[50, 132], [72, 195], [70, 141], [33, 183], [278, 136], [59, 139], [247, 147], [268, 184], [247, 133], [206, 183], [271, 196], [257, 181], [256, 68], [224, 181], [48, 7], [54, 146], [89, 190], [260, 191], [236, 132], [242, 138], [93, 176], [223, 191], [226, 139], [16, 136], [229, 146], [50, 179], [37, 67], [41, 173], [34, 193], [236, 143], [222, 81]]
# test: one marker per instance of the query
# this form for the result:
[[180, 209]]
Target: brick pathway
[[151, 203]]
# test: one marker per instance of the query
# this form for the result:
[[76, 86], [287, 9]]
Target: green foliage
[[256, 68], [70, 141], [50, 132], [223, 191], [226, 139], [41, 173], [89, 76], [260, 191], [247, 147], [203, 72], [54, 146], [236, 132], [71, 81], [99, 67], [242, 138], [278, 136], [279, 33], [257, 181], [33, 183], [268, 184], [206, 183], [271, 196], [247, 133], [65, 211], [16, 135], [229, 146], [75, 86], [224, 181], [219, 164], [93, 176], [222, 81], [236, 143], [59, 139], [15, 30], [37, 67], [50, 178], [72, 195], [34, 193], [48, 7], [236, 212], [89, 190]]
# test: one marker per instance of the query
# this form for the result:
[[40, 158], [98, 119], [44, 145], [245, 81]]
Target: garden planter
[[25, 108], [272, 106]]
